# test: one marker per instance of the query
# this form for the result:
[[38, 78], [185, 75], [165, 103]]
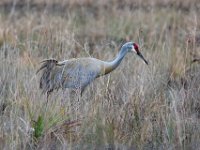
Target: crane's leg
[[48, 93], [63, 98], [47, 100], [77, 108], [79, 93], [78, 97]]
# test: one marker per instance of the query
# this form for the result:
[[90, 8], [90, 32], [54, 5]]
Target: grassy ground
[[134, 107]]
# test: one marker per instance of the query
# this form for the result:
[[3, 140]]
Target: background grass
[[134, 107]]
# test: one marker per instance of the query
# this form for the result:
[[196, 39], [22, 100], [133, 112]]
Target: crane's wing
[[79, 73]]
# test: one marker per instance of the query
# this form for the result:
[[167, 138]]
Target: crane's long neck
[[110, 66]]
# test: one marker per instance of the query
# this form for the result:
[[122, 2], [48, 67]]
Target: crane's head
[[133, 47]]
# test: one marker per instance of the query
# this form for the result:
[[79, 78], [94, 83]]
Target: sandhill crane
[[77, 73]]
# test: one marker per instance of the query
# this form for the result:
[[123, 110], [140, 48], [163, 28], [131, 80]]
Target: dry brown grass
[[134, 107]]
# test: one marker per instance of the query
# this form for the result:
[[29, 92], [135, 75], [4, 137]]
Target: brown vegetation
[[135, 107]]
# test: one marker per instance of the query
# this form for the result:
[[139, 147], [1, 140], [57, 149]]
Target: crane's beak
[[141, 56]]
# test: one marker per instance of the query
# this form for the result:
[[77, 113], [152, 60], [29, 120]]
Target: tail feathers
[[47, 78], [48, 64]]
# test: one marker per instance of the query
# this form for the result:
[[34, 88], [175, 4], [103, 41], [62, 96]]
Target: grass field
[[135, 107]]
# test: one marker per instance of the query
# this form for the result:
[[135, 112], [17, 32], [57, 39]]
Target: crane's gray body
[[73, 73], [77, 73]]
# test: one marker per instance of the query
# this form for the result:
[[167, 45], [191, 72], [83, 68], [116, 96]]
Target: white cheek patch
[[133, 49]]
